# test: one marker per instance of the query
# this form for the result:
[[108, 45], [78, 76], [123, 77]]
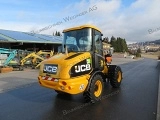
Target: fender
[[91, 77]]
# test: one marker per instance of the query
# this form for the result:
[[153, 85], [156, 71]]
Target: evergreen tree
[[56, 33], [113, 38], [138, 53], [118, 44], [113, 43], [125, 46], [138, 50], [121, 45]]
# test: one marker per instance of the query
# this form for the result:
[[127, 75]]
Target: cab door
[[98, 57]]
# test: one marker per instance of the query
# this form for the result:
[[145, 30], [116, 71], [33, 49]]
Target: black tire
[[115, 76], [59, 92], [21, 68], [95, 90]]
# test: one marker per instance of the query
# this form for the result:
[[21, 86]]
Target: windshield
[[78, 40]]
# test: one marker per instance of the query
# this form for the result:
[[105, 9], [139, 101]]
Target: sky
[[134, 20]]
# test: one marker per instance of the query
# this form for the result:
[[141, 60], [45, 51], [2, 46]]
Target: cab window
[[97, 38]]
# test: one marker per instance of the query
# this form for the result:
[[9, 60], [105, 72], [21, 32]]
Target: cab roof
[[81, 27]]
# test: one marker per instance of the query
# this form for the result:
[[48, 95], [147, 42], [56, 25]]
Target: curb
[[158, 103]]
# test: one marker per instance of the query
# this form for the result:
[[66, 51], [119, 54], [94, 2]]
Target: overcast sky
[[134, 20]]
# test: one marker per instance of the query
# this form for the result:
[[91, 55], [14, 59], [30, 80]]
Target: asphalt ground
[[22, 98], [158, 103], [15, 79]]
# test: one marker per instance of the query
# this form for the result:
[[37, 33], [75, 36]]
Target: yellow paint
[[119, 76], [81, 27], [72, 85], [98, 86], [64, 65]]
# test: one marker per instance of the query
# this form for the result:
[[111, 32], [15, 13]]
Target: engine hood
[[59, 66]]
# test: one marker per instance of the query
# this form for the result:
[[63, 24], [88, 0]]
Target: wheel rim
[[98, 88], [119, 78]]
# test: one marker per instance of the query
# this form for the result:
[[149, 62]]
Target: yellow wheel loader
[[81, 66]]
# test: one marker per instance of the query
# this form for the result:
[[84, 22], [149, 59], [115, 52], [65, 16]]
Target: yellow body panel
[[81, 27], [63, 65], [105, 70], [73, 86], [63, 75]]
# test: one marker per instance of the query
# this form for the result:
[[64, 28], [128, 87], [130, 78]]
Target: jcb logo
[[50, 69], [82, 68]]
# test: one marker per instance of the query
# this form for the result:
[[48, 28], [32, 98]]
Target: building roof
[[26, 37], [2, 39]]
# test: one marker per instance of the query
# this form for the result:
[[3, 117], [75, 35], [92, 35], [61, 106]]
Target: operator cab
[[85, 38]]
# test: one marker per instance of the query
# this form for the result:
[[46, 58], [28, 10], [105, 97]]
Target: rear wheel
[[95, 90], [115, 76]]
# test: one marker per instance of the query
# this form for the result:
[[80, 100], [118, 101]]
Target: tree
[[56, 33], [138, 53], [119, 44], [113, 38], [138, 50], [113, 43], [119, 47], [125, 46]]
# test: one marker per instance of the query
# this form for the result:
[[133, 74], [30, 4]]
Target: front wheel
[[115, 76], [95, 90]]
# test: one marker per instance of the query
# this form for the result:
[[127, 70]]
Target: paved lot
[[12, 80], [21, 97]]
